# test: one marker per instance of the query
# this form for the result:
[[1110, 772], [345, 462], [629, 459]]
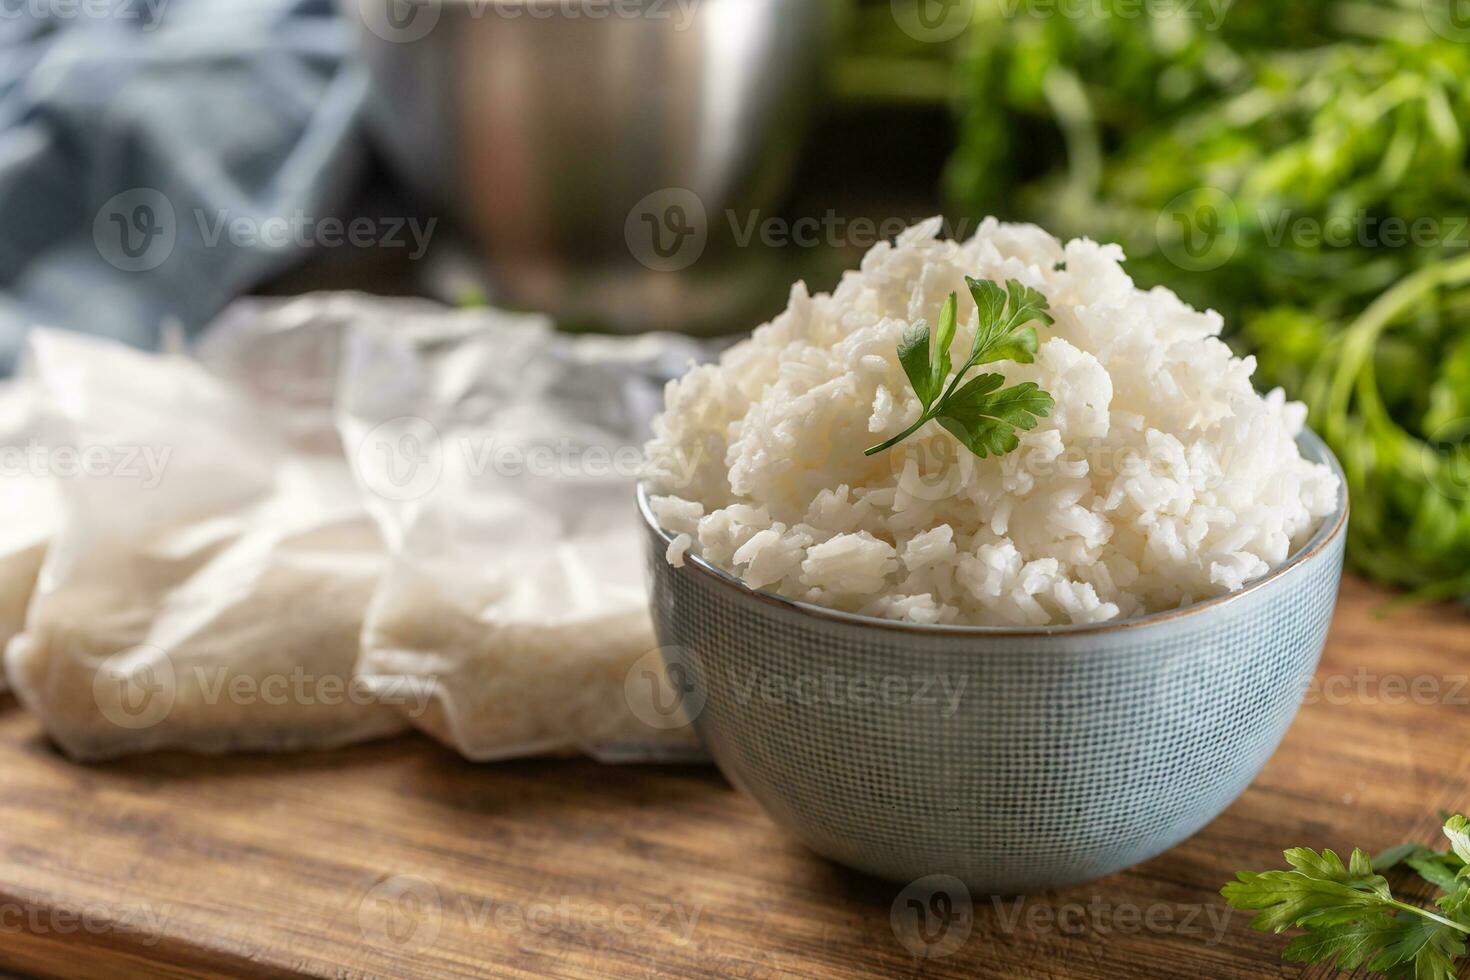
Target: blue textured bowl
[[1013, 759]]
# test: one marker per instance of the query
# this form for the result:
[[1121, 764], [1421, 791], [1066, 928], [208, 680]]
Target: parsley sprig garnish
[[981, 414], [1350, 915]]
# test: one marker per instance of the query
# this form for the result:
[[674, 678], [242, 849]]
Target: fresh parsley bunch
[[1350, 916], [1300, 167], [981, 414]]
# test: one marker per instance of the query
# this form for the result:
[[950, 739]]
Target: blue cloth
[[126, 139]]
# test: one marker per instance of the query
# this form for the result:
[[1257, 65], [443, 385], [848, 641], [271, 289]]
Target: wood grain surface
[[399, 859]]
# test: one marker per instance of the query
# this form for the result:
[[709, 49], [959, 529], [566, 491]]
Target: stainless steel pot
[[602, 152]]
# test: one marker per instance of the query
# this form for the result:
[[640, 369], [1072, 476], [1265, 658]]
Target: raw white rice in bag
[[501, 460], [207, 587], [29, 508]]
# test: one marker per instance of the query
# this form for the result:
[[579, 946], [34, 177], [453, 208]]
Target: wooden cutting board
[[399, 859]]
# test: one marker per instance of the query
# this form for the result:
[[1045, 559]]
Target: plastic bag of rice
[[1159, 477], [206, 587], [500, 459], [32, 507]]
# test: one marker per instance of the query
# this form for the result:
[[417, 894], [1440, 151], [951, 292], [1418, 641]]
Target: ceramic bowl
[[1013, 759]]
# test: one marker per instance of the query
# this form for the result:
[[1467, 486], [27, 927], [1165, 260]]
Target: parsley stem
[[931, 413], [1405, 906], [954, 382], [900, 437]]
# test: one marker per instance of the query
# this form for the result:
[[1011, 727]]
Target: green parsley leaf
[[1456, 904], [981, 415], [1026, 304], [1394, 856], [974, 392], [990, 300], [1350, 915], [913, 354], [942, 343], [986, 421], [1289, 898], [1020, 347], [1440, 870], [1457, 829], [1346, 945], [1428, 947]]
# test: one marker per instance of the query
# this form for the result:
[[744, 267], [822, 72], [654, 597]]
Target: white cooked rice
[[1159, 478]]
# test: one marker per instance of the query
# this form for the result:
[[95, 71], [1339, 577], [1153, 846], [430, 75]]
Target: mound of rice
[[1159, 478]]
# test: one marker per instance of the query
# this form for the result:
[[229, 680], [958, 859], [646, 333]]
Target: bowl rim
[[1327, 532]]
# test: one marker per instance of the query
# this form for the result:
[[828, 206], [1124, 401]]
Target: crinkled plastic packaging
[[501, 459], [207, 586], [31, 507]]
